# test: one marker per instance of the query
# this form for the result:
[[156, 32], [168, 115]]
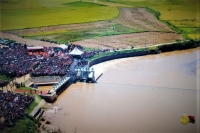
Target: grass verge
[[33, 104]]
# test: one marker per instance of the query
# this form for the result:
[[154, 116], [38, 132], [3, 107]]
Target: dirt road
[[26, 41]]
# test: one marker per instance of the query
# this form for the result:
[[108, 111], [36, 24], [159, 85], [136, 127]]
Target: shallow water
[[44, 88], [138, 94]]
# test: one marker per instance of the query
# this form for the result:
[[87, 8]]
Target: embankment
[[156, 49], [117, 55]]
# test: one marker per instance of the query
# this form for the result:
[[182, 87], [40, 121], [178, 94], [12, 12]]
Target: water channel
[[138, 94]]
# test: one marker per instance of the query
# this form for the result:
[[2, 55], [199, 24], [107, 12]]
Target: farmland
[[80, 21], [181, 13], [35, 14], [122, 32]]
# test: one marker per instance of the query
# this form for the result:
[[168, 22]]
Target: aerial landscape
[[99, 66]]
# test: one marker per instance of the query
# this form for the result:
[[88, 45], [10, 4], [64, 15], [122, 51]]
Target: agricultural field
[[80, 21], [181, 13], [123, 24], [40, 13]]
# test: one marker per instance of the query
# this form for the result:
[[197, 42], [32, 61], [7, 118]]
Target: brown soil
[[137, 18], [71, 27], [128, 40]]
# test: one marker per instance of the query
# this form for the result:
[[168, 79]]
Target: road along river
[[139, 94]]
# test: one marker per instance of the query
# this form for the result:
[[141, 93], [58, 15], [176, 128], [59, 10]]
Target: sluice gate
[[80, 74]]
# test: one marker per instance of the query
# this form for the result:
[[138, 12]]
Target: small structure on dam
[[85, 74]]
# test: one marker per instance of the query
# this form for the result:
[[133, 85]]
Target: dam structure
[[85, 74], [82, 74]]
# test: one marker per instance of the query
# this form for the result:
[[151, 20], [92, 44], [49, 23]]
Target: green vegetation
[[45, 33], [176, 13], [25, 88], [38, 14], [4, 77], [116, 52], [189, 29], [76, 35], [192, 32], [179, 45], [25, 125], [83, 4], [34, 104], [196, 36], [20, 14], [153, 50], [88, 49], [28, 123], [157, 15]]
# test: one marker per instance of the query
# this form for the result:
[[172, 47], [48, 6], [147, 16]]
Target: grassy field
[[192, 32], [20, 14], [3, 77], [41, 13]]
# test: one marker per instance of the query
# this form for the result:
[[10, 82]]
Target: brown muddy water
[[44, 87], [146, 94]]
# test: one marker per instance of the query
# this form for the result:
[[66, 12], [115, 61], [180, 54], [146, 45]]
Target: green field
[[76, 35], [41, 13], [181, 13], [20, 14]]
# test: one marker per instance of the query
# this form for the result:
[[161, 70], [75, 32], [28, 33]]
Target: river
[[134, 95]]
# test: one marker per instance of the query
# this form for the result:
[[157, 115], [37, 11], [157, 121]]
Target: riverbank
[[155, 49], [143, 51], [130, 93]]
